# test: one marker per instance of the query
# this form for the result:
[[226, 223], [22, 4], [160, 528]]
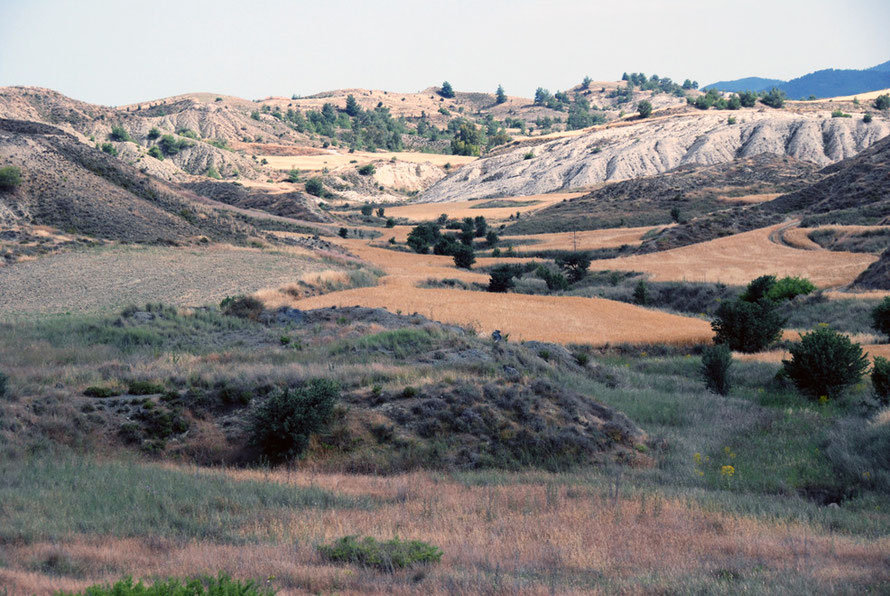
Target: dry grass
[[334, 159], [460, 209], [585, 240], [740, 258], [862, 96], [777, 356], [752, 199], [531, 534]]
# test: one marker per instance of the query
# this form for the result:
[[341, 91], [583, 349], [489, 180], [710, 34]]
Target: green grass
[[385, 556], [51, 498], [222, 585]]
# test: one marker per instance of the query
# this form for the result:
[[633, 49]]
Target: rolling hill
[[828, 82]]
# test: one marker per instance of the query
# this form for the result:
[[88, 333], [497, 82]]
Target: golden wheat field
[[740, 258], [419, 212], [800, 237], [586, 240]]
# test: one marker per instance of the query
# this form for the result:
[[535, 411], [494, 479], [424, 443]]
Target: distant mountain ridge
[[829, 82]]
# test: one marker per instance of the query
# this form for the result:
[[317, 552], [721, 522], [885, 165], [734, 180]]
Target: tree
[[282, 426], [446, 91], [575, 265], [542, 96], [758, 288], [467, 139], [882, 102], [153, 134], [491, 238], [644, 108], [315, 187], [555, 280], [10, 178], [825, 363], [481, 226], [343, 232], [880, 317], [352, 107], [464, 257], [367, 210], [641, 293], [880, 380], [734, 102], [501, 278], [774, 98], [422, 236], [467, 231], [747, 326], [380, 211], [499, 96], [153, 151], [586, 82], [747, 99], [715, 364], [119, 133]]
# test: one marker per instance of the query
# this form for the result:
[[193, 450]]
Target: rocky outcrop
[[655, 146]]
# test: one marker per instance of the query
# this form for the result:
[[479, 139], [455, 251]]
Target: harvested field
[[108, 279], [585, 240], [873, 350], [333, 159], [459, 209], [740, 258], [752, 199]]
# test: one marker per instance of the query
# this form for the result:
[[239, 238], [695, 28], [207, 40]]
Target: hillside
[[746, 84], [853, 191], [829, 82], [657, 145]]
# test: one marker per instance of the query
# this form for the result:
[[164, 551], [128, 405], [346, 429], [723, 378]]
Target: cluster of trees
[[580, 112], [457, 244], [657, 84], [570, 268], [775, 98]]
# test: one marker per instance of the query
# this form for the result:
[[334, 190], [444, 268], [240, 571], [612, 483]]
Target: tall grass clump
[[222, 585], [715, 364], [384, 556], [825, 363]]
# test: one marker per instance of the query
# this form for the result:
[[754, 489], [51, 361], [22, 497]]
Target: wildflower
[[823, 399], [728, 471]]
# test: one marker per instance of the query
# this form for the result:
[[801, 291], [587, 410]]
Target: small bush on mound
[[385, 556], [715, 364], [282, 426], [575, 265], [880, 380], [244, 307], [153, 151], [825, 363], [144, 388], [789, 288], [315, 187], [221, 586], [96, 391], [10, 178], [747, 326], [367, 170], [881, 317]]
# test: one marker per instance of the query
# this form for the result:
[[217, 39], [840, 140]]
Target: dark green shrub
[[109, 149], [446, 91], [120, 134], [867, 118], [747, 99], [774, 98], [10, 178], [824, 363], [153, 151], [390, 223], [384, 556], [644, 108], [223, 585], [169, 145], [881, 316], [144, 388], [641, 294], [491, 238], [153, 134], [315, 187], [574, 265], [759, 288], [502, 277], [747, 326], [343, 232], [367, 210], [380, 211], [367, 169], [244, 307], [555, 280], [4, 385], [96, 391], [293, 176], [499, 96], [880, 380], [882, 102], [715, 364], [788, 288], [282, 426], [464, 257]]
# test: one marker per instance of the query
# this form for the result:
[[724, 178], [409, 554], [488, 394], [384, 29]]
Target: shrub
[[343, 232], [867, 118], [500, 96], [153, 134], [422, 236], [4, 385], [715, 364], [380, 211], [502, 278], [759, 288], [109, 149], [171, 146], [119, 133], [840, 114], [644, 108], [575, 265], [293, 176], [529, 155], [641, 294], [788, 288], [464, 257], [774, 98], [446, 91], [747, 99], [144, 388], [367, 210], [244, 307], [153, 151], [555, 280], [223, 585], [882, 102], [747, 326], [315, 187], [881, 316], [390, 223], [385, 556], [282, 426], [824, 363], [367, 169], [96, 391], [491, 238], [880, 380], [10, 178]]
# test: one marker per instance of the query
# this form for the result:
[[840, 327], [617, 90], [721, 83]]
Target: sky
[[115, 52]]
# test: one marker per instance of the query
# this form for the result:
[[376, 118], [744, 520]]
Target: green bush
[[774, 98], [384, 556], [144, 388], [367, 169], [153, 134], [120, 134], [109, 149], [644, 108], [759, 288], [825, 363], [867, 118], [4, 385], [282, 426], [747, 326], [293, 176], [555, 280], [221, 586], [315, 187], [574, 265], [97, 391], [153, 151], [880, 380], [367, 210], [715, 364], [788, 288], [641, 293], [502, 277], [446, 91], [881, 317], [10, 178], [169, 145], [464, 257], [882, 102], [343, 232]]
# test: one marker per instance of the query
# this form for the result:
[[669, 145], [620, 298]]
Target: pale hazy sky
[[118, 51]]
